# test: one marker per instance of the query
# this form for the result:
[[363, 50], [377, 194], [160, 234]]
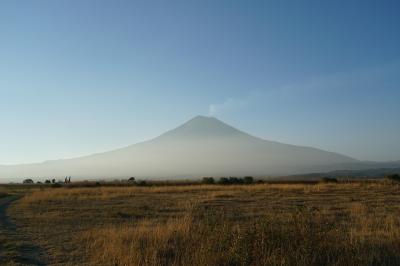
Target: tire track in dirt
[[15, 247]]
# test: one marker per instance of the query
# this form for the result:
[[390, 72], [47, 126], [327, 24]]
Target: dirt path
[[15, 247]]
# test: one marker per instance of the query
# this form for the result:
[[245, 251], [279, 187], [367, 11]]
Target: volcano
[[203, 146]]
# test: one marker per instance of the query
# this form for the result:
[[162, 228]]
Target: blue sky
[[78, 77]]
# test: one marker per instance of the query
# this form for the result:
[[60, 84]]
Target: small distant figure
[[67, 180]]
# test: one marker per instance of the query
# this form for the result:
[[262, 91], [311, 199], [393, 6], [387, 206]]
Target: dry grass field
[[261, 224]]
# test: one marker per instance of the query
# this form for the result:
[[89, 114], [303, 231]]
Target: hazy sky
[[80, 76]]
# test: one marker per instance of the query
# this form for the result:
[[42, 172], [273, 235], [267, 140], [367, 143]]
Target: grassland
[[264, 224]]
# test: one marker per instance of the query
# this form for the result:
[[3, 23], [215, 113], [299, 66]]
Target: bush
[[28, 181], [142, 183], [235, 180], [223, 181], [208, 180], [328, 180], [56, 185], [248, 179], [394, 177]]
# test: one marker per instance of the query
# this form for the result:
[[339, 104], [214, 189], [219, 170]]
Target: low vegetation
[[394, 177], [3, 194], [260, 224], [328, 180]]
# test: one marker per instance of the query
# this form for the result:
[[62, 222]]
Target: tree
[[142, 183], [248, 180], [224, 181], [27, 181], [235, 180], [394, 177], [208, 180], [328, 180]]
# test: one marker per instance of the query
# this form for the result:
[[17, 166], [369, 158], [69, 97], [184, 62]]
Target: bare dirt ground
[[15, 247]]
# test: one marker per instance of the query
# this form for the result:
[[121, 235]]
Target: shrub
[[208, 180], [224, 181], [328, 180], [235, 180], [56, 185], [248, 179], [394, 177], [131, 179], [142, 183], [27, 181]]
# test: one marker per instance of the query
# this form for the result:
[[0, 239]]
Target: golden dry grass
[[265, 224], [3, 192]]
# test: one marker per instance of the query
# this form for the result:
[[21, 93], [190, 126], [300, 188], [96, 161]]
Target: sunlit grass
[[263, 224]]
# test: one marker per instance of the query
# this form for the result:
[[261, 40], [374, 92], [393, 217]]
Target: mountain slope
[[202, 146]]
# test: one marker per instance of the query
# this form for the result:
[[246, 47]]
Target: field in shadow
[[15, 247]]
